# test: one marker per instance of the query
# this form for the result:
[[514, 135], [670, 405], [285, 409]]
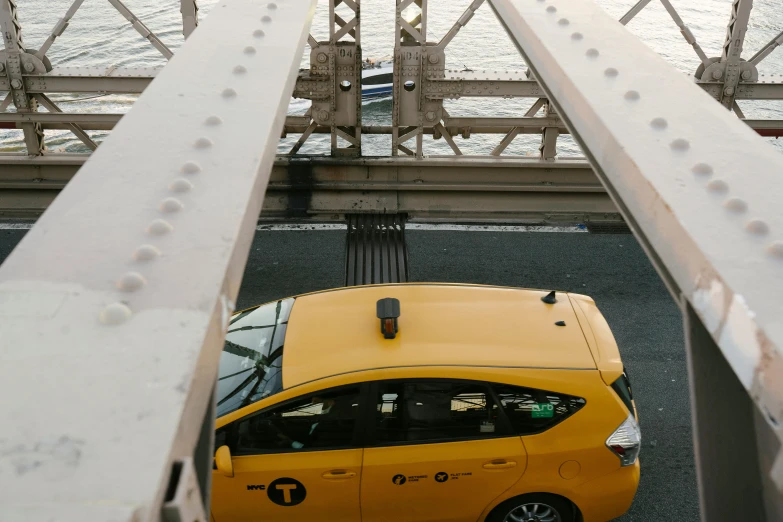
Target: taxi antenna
[[549, 298]]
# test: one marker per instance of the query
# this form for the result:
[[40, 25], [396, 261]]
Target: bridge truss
[[534, 190], [100, 285]]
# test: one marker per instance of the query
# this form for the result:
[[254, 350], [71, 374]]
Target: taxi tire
[[564, 508]]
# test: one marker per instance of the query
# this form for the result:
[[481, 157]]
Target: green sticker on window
[[543, 410]]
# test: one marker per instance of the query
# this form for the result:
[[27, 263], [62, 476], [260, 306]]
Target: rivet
[[258, 33], [213, 120], [757, 226], [717, 185], [131, 282], [611, 72], [680, 145], [631, 96], [776, 249], [146, 253], [736, 205], [551, 9], [563, 22], [203, 143], [115, 313], [592, 53], [272, 6], [576, 36], [658, 123], [191, 167], [266, 19], [159, 227], [181, 185], [240, 69], [229, 93], [702, 169], [171, 205], [250, 50]]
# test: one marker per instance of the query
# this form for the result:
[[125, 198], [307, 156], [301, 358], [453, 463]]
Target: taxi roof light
[[388, 310]]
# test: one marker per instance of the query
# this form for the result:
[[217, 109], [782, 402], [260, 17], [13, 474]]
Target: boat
[[377, 78]]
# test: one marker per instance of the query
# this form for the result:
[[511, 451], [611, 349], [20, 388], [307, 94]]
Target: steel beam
[[461, 188], [87, 79], [189, 11], [110, 301], [142, 29], [767, 49], [714, 233], [15, 62], [59, 29], [732, 50]]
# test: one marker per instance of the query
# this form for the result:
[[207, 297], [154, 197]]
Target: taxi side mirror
[[223, 461]]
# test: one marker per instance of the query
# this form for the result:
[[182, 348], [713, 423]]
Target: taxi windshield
[[251, 365]]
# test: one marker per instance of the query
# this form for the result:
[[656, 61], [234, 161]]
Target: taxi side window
[[435, 411], [532, 411], [321, 421]]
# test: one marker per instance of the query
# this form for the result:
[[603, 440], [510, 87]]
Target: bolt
[[321, 58], [434, 58], [131, 282], [146, 253], [29, 67], [159, 227], [729, 91], [702, 169], [16, 83], [323, 115], [757, 226], [2, 67], [716, 74], [114, 314], [191, 167], [746, 75], [430, 116]]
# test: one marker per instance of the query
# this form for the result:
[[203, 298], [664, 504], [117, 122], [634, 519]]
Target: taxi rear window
[[532, 411], [251, 365], [622, 387]]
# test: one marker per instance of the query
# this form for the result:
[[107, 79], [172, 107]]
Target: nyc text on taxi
[[424, 403]]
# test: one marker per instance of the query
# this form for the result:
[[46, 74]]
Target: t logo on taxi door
[[286, 491]]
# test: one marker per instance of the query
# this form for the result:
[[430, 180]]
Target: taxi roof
[[336, 332]]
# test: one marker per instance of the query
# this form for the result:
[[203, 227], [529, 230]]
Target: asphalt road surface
[[610, 268]]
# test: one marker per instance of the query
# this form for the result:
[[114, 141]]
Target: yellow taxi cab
[[424, 403]]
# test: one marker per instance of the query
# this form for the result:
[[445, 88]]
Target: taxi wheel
[[534, 507]]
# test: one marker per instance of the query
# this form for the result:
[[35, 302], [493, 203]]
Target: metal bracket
[[183, 502]]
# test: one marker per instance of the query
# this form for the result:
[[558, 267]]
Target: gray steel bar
[[732, 49], [767, 49], [59, 28], [11, 30], [142, 29], [115, 264], [459, 24], [635, 10], [685, 31], [78, 131], [189, 10]]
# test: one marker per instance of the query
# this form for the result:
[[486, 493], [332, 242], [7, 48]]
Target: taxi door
[[293, 462], [438, 452]]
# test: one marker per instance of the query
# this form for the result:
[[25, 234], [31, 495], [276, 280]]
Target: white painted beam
[[699, 187], [113, 307]]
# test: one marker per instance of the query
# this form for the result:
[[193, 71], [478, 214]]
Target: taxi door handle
[[500, 464], [339, 474]]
